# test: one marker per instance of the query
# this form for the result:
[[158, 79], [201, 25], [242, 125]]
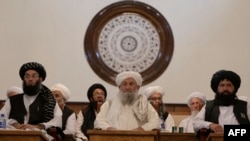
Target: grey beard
[[128, 97]]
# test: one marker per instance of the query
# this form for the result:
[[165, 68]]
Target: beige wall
[[209, 35]]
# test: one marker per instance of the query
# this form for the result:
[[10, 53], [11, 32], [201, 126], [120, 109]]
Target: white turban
[[199, 95], [63, 89], [15, 89], [154, 89], [128, 74]]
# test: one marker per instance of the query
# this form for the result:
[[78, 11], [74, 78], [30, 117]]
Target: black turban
[[32, 66], [93, 87], [225, 74]]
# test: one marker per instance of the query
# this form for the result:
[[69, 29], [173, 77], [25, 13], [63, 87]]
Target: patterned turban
[[63, 89], [128, 74], [32, 66], [92, 89], [225, 74]]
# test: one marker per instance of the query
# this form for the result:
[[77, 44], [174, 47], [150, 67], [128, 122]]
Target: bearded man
[[226, 108], [36, 107], [97, 94], [128, 110], [155, 97], [195, 102]]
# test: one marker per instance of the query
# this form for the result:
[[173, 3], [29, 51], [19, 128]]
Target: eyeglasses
[[98, 94], [31, 75], [155, 98]]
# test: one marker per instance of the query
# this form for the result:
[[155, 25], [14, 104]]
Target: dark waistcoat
[[239, 109], [18, 110], [66, 113], [89, 118]]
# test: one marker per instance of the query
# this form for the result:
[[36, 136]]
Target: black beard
[[32, 90], [93, 104], [225, 99]]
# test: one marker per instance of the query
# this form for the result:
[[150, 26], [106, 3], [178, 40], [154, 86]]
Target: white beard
[[128, 97], [117, 103], [194, 113]]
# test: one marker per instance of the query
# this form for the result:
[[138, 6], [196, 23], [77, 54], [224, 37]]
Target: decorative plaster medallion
[[129, 35]]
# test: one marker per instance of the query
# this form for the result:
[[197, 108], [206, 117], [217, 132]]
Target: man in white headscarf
[[128, 110], [61, 94], [195, 102], [154, 95], [14, 90]]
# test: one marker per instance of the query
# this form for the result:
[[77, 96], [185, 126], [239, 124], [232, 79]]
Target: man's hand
[[216, 127], [16, 125], [139, 129], [111, 128], [28, 126]]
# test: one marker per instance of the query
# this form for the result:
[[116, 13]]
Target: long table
[[215, 137], [122, 135], [166, 136], [21, 135], [114, 135]]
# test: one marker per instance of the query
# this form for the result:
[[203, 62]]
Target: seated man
[[85, 118], [14, 90], [128, 110], [61, 93], [195, 102], [154, 95], [36, 107], [226, 108]]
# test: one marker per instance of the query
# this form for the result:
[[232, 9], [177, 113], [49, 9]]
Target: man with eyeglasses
[[36, 107], [97, 95], [154, 95]]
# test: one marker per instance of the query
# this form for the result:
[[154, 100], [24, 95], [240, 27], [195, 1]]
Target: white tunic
[[70, 127], [169, 123], [187, 124], [126, 119], [79, 136]]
